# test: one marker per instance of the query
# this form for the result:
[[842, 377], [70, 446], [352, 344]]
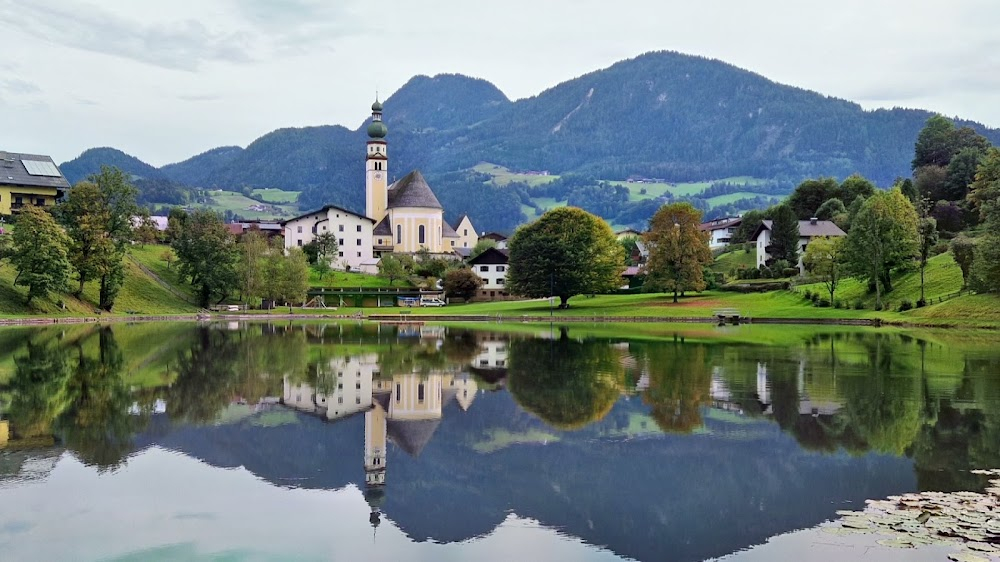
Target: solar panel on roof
[[41, 168]]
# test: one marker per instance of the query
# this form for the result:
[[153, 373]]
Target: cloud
[[18, 87], [179, 45], [199, 97], [297, 26]]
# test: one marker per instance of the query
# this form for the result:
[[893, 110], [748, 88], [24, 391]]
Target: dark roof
[[463, 252], [448, 231], [808, 229], [17, 174], [411, 435], [324, 209], [459, 221], [719, 224], [382, 397], [412, 191], [490, 256], [494, 236], [383, 228]]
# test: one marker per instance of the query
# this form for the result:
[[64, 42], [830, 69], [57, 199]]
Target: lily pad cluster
[[968, 520]]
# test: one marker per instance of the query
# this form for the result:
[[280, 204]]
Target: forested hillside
[[664, 115]]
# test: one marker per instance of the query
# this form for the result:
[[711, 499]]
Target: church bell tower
[[376, 167]]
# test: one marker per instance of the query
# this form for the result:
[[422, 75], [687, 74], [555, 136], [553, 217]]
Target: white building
[[721, 231], [347, 388], [353, 233], [808, 230], [491, 266]]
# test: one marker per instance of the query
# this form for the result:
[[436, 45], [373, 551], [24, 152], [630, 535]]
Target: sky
[[164, 81]]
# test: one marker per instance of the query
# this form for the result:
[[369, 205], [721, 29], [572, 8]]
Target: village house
[[353, 233], [500, 239], [627, 233], [808, 230], [721, 231], [29, 179], [491, 267]]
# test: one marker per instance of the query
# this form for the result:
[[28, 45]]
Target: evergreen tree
[[678, 250], [784, 235]]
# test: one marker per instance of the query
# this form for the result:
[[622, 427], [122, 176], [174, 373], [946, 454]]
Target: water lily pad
[[967, 557], [981, 547], [896, 543]]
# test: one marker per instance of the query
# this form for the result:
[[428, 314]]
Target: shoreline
[[482, 318]]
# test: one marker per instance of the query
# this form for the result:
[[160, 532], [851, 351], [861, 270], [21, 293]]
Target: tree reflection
[[680, 379], [566, 383], [39, 389]]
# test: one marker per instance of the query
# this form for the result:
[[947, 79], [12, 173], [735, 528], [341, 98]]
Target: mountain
[[660, 115], [92, 159], [195, 170]]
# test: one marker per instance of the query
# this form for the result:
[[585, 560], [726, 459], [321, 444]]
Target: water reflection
[[680, 443]]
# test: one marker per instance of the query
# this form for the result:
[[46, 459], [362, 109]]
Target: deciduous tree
[[566, 252], [963, 249], [40, 253], [824, 256], [462, 283], [928, 234], [391, 269], [678, 250], [883, 235], [206, 254]]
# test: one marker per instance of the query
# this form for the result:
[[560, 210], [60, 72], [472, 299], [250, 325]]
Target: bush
[[859, 304], [823, 303], [838, 303], [921, 303], [765, 272], [790, 272], [816, 297], [905, 305], [808, 295], [780, 265]]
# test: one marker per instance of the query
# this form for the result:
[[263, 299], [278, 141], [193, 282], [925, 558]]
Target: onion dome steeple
[[377, 129]]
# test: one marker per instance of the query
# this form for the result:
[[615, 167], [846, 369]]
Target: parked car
[[432, 302]]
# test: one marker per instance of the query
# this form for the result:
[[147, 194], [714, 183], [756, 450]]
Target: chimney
[[813, 220]]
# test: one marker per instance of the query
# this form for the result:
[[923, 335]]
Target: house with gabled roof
[[812, 228], [29, 179], [353, 233]]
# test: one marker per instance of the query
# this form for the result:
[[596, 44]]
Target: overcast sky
[[164, 81]]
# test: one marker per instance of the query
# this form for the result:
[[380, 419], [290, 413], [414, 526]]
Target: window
[[420, 392], [398, 389], [379, 241], [40, 202], [340, 228], [359, 228], [399, 234], [324, 228], [420, 234], [357, 400], [465, 232], [484, 268], [299, 229], [452, 243], [359, 242], [299, 242], [340, 242], [340, 400], [501, 268], [500, 281], [357, 386], [359, 254], [340, 254]]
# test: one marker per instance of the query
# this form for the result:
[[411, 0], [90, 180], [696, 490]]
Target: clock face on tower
[[378, 176]]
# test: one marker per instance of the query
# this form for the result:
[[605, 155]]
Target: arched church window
[[399, 234], [420, 234]]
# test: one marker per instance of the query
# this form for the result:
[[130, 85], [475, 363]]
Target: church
[[402, 217]]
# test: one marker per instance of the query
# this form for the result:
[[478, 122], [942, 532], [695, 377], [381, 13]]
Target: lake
[[350, 441]]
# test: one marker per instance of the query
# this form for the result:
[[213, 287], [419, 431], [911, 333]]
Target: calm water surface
[[355, 442]]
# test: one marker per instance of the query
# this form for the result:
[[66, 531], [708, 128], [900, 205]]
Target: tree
[[963, 250], [748, 225], [985, 273], [784, 235], [462, 283], [930, 182], [678, 250], [40, 253], [883, 235], [961, 173], [928, 234], [830, 209], [984, 193], [325, 248], [934, 143], [250, 250], [566, 252], [98, 216], [481, 246], [206, 254], [145, 231], [169, 257], [810, 194], [391, 268], [853, 187], [824, 256]]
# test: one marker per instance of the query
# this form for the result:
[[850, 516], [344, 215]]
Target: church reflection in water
[[402, 408]]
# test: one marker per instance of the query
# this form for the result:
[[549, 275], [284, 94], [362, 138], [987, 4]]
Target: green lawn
[[352, 280], [240, 204], [734, 260], [734, 197], [503, 176], [274, 195], [151, 256], [943, 277]]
